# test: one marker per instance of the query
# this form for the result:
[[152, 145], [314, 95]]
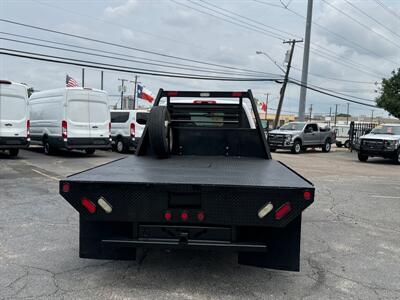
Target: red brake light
[[66, 187], [201, 216], [89, 205], [64, 129], [237, 94], [28, 129], [184, 216], [132, 129], [204, 102], [307, 195], [172, 93], [168, 216], [283, 211]]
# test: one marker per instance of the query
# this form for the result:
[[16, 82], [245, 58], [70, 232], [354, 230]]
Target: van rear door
[[13, 110], [99, 114], [78, 113]]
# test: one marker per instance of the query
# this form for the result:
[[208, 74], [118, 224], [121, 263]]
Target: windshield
[[386, 129], [293, 126]]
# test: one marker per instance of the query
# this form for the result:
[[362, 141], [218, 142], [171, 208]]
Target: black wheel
[[327, 146], [296, 148], [160, 133], [272, 149], [339, 144], [362, 157], [90, 151], [119, 146], [13, 152], [48, 149], [396, 159], [347, 144]]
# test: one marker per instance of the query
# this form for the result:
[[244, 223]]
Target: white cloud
[[122, 10]]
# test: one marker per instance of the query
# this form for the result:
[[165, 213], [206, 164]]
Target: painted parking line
[[46, 175], [386, 197]]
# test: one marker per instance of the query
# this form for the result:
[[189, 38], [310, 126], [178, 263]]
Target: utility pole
[[330, 112], [348, 112], [123, 89], [285, 81], [102, 80], [266, 106], [336, 105], [372, 116], [135, 92], [306, 55], [83, 77], [310, 112]]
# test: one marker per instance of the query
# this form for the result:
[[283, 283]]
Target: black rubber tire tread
[[328, 141], [90, 151], [13, 152], [158, 134], [362, 157], [50, 149], [396, 159], [293, 149]]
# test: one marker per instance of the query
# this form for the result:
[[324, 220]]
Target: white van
[[70, 118], [127, 128], [14, 122]]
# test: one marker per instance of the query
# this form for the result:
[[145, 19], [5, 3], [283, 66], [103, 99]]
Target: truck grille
[[276, 138], [372, 144]]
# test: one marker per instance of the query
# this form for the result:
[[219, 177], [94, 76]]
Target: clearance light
[[184, 216], [204, 102], [172, 93], [66, 187], [201, 216], [89, 205], [307, 195], [168, 216], [283, 211], [104, 205], [236, 94], [204, 94], [265, 210]]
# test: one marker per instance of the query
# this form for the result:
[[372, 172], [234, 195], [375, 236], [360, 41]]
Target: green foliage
[[390, 94]]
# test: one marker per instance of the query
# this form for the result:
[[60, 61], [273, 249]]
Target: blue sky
[[348, 45]]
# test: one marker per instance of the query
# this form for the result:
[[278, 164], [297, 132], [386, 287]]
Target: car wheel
[[362, 157], [48, 149], [397, 158], [296, 148], [90, 151], [120, 147], [339, 144], [327, 146], [347, 144], [160, 132], [13, 152]]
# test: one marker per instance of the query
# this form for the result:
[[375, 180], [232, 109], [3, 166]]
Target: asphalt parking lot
[[350, 239]]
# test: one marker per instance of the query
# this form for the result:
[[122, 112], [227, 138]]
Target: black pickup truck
[[202, 178]]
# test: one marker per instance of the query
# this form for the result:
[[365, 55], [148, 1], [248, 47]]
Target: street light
[[270, 58]]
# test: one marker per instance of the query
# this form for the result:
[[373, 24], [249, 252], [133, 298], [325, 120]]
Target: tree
[[30, 91], [390, 94]]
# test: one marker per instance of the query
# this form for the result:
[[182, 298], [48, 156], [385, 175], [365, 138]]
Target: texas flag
[[144, 94]]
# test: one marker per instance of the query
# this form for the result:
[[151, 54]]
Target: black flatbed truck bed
[[193, 201]]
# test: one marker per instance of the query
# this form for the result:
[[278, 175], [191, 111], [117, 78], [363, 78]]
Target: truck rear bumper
[[80, 143], [14, 142]]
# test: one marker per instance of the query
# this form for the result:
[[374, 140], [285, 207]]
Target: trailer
[[202, 178]]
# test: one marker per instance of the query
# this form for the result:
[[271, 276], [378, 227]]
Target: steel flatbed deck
[[214, 171]]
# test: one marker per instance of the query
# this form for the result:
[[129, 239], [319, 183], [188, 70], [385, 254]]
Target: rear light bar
[[237, 94], [64, 129], [28, 130], [172, 93], [283, 211], [133, 128], [89, 205], [204, 102]]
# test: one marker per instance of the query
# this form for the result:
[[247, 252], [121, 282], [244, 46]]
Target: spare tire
[[160, 133]]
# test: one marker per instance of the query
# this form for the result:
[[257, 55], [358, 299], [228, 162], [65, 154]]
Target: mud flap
[[91, 234], [283, 246]]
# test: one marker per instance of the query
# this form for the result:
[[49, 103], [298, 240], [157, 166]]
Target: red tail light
[[236, 94], [184, 216], [204, 102], [172, 93], [132, 129], [89, 205], [28, 129], [168, 216], [64, 129], [201, 216], [283, 211], [307, 195], [109, 129], [66, 187]]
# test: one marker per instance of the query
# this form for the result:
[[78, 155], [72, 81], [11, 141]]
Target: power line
[[388, 9], [122, 46]]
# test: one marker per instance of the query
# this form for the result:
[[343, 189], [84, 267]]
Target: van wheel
[[160, 132], [339, 144], [327, 146], [48, 149], [397, 158], [90, 151], [347, 144], [120, 147], [13, 152], [362, 157], [296, 148]]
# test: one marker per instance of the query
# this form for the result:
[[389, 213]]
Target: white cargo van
[[127, 128], [14, 122], [70, 118]]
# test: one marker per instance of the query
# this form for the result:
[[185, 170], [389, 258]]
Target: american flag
[[70, 82]]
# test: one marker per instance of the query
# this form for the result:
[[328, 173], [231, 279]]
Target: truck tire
[[347, 144], [296, 148], [119, 146], [339, 144], [327, 146], [396, 159], [13, 152], [160, 133], [90, 151], [362, 157], [48, 149]]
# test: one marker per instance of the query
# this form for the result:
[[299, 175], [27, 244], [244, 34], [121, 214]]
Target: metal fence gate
[[357, 130]]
